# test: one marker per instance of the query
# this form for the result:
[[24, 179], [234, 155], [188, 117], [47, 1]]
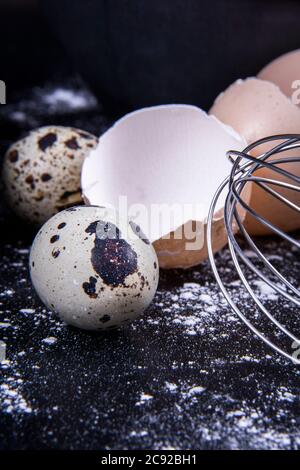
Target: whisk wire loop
[[244, 172]]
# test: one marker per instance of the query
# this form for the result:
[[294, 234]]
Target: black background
[[142, 52], [30, 53]]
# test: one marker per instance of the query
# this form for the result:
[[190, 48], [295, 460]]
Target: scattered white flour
[[265, 290], [171, 386], [196, 390], [18, 116], [12, 400], [50, 340], [249, 359], [69, 99], [144, 398], [7, 292], [40, 103], [188, 295], [22, 251], [27, 310]]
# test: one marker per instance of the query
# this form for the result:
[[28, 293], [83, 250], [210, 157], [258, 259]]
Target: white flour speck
[[171, 387], [144, 398], [195, 390], [12, 400], [50, 340], [71, 99]]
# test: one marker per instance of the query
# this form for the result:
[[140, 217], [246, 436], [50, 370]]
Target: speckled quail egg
[[41, 172], [94, 268]]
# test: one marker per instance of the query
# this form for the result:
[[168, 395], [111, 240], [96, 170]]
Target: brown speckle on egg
[[30, 180], [112, 257], [13, 156], [90, 287], [72, 143], [55, 252], [85, 135], [54, 238], [46, 177], [47, 141], [105, 319]]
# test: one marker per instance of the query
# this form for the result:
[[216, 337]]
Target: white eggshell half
[[163, 164]]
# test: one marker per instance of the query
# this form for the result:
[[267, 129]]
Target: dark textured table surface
[[187, 375]]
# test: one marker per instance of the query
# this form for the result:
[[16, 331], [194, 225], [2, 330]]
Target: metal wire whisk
[[243, 172]]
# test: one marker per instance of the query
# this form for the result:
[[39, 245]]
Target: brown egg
[[257, 109], [285, 73]]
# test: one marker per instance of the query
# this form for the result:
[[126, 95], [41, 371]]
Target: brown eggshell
[[285, 73], [257, 109], [172, 253]]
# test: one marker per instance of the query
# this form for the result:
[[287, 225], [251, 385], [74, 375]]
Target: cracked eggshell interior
[[256, 109], [165, 163], [285, 73]]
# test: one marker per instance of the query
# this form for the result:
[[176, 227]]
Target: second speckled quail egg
[[93, 267], [41, 172]]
